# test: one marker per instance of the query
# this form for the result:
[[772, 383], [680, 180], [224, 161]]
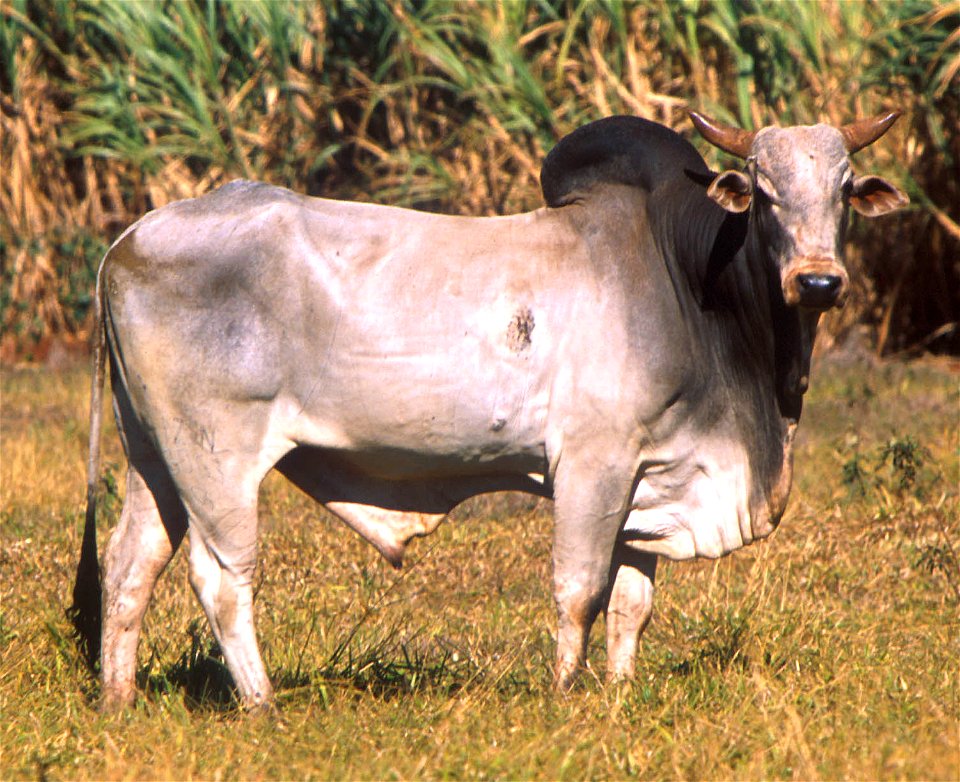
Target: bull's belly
[[424, 415], [399, 463]]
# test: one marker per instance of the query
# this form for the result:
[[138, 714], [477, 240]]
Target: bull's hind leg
[[629, 607], [223, 555], [152, 525], [218, 477]]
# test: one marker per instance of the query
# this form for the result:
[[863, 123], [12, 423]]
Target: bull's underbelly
[[405, 432], [391, 500], [398, 463]]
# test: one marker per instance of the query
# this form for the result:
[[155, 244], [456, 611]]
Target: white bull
[[637, 350]]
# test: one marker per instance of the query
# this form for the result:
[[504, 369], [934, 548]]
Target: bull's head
[[799, 182]]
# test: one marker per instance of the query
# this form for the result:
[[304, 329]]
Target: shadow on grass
[[388, 666], [385, 678], [720, 640], [393, 664], [200, 674]]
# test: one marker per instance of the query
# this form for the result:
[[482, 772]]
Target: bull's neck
[[727, 282], [761, 342], [765, 350]]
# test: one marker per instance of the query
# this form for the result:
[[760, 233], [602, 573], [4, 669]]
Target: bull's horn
[[733, 140], [864, 132]]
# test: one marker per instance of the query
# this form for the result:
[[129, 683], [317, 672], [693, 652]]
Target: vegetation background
[[828, 652], [110, 108]]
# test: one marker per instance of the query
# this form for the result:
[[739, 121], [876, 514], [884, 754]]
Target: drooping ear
[[733, 190], [873, 196]]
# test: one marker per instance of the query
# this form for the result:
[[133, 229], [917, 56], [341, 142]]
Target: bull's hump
[[616, 150]]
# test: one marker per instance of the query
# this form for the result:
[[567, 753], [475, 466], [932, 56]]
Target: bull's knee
[[206, 576], [218, 584]]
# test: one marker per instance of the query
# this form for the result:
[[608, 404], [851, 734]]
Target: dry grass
[[827, 652]]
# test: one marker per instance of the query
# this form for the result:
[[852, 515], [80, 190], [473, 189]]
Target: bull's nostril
[[819, 283], [818, 291]]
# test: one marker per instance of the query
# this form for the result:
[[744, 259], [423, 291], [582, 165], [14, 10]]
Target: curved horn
[[733, 140], [864, 132]]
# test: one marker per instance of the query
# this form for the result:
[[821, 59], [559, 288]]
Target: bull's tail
[[85, 613]]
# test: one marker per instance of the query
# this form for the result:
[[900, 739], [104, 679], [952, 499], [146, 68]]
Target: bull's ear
[[873, 196], [733, 190]]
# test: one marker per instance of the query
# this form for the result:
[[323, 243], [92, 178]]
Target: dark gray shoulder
[[617, 150]]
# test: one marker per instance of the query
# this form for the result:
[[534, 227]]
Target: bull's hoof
[[264, 710], [112, 702], [618, 680], [565, 676], [620, 673], [260, 705], [617, 688]]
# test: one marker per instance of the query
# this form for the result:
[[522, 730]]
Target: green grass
[[827, 652]]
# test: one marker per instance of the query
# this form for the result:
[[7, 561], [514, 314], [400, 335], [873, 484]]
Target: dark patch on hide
[[729, 239], [519, 330]]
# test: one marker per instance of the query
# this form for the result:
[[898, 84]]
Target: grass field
[[830, 651]]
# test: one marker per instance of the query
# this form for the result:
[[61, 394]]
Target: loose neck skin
[[793, 331]]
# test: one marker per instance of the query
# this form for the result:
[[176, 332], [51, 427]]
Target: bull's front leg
[[629, 607], [590, 509]]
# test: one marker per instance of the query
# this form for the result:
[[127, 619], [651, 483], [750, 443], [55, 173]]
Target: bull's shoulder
[[617, 150]]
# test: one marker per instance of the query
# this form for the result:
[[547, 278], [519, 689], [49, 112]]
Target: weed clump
[[892, 472]]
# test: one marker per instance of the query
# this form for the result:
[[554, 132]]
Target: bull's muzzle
[[815, 283]]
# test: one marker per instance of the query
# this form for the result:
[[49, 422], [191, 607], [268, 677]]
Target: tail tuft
[[85, 612]]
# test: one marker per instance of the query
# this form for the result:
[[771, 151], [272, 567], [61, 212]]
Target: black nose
[[819, 283], [818, 290]]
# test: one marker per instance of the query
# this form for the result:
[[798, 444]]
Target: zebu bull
[[638, 351]]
